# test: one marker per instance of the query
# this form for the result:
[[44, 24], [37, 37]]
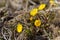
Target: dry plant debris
[[29, 20]]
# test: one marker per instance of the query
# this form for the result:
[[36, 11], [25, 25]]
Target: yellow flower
[[19, 27], [42, 6], [51, 1], [33, 12], [31, 18], [37, 23]]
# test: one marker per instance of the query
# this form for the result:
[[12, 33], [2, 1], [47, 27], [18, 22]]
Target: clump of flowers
[[34, 21], [34, 11]]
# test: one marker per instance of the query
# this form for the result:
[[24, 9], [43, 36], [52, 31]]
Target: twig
[[53, 8], [3, 35], [32, 2]]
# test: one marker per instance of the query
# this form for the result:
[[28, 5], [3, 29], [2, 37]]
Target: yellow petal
[[33, 12], [42, 6], [51, 1], [37, 23], [19, 27], [31, 18]]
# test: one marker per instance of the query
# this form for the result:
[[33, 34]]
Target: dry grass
[[16, 11]]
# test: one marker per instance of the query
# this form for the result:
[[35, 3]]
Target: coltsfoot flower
[[19, 27], [51, 1], [33, 12], [42, 6], [37, 23]]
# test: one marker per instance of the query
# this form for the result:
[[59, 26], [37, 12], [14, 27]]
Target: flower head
[[37, 23], [19, 27], [33, 12], [42, 6], [51, 1]]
